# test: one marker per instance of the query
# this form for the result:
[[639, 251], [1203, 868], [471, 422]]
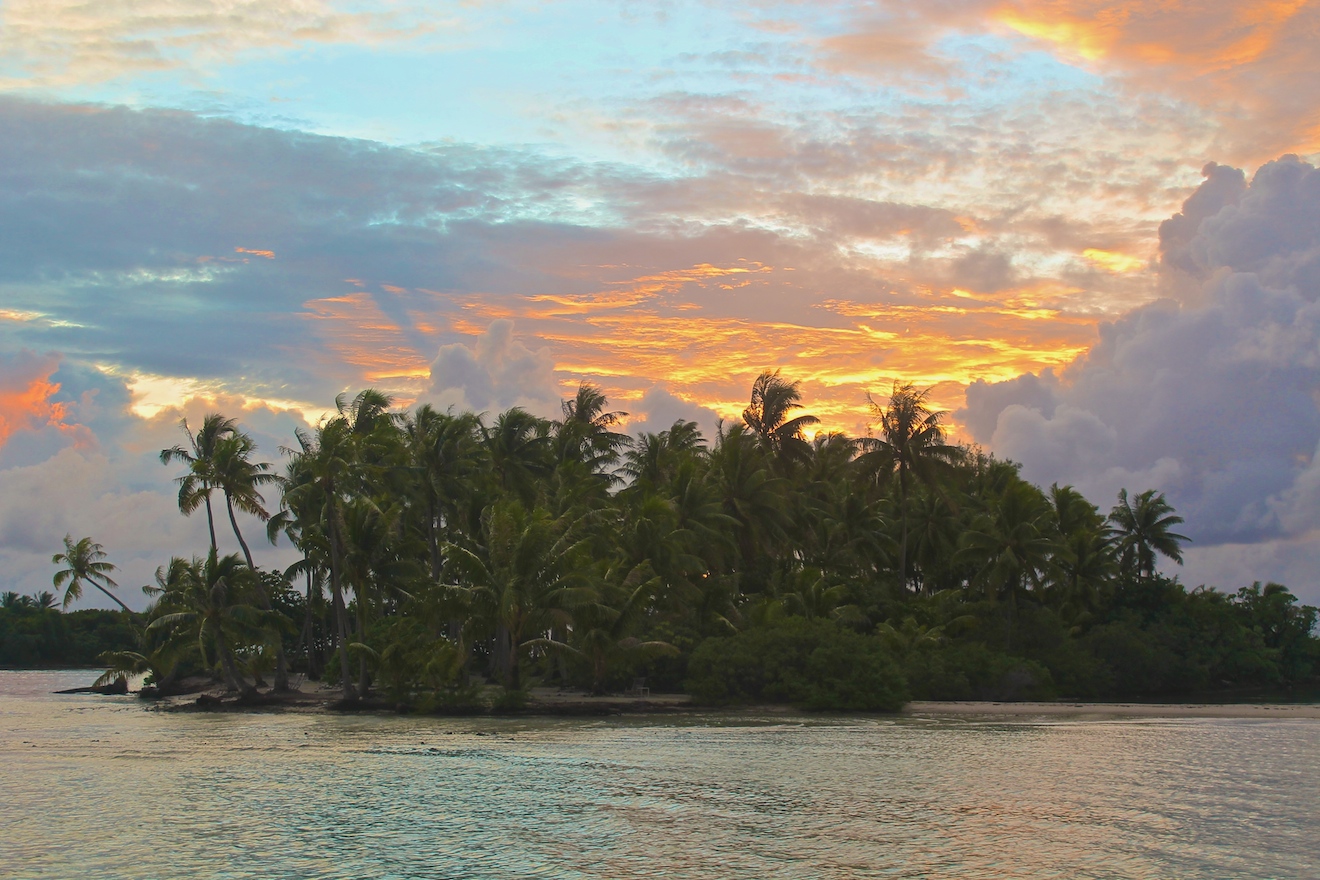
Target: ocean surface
[[103, 787]]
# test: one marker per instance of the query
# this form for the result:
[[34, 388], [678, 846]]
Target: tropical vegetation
[[441, 551]]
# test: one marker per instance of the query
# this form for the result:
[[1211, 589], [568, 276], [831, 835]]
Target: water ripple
[[99, 788]]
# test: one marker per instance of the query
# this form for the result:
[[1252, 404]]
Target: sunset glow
[[1020, 205]]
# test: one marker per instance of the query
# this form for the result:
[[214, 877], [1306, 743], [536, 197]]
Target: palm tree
[[585, 431], [444, 454], [519, 448], [525, 577], [1144, 527], [1085, 559], [201, 599], [239, 478], [1011, 545], [753, 497], [773, 399], [195, 486], [85, 564], [324, 466], [912, 447]]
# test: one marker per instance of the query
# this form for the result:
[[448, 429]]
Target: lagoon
[[104, 787]]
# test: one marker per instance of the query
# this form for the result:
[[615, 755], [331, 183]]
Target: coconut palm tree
[[84, 562], [1144, 528], [1011, 545], [585, 433], [195, 486], [912, 447], [525, 576], [773, 400], [203, 600], [444, 455], [518, 444], [1085, 559], [323, 471], [240, 478]]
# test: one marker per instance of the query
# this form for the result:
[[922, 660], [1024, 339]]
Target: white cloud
[[497, 372]]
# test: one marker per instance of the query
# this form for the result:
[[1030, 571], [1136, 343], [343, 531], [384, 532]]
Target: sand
[[1117, 710]]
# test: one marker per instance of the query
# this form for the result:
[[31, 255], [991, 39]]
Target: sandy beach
[[1117, 710]]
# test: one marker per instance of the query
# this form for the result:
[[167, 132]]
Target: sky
[[1091, 229]]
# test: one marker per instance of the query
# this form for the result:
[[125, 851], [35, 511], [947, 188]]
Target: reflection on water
[[99, 787]]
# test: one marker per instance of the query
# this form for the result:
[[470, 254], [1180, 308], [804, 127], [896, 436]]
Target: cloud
[[1246, 59], [657, 410], [65, 42], [1212, 400], [27, 394], [497, 372]]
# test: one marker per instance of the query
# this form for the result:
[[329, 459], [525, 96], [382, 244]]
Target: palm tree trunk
[[341, 613], [364, 681], [903, 543], [309, 630], [210, 522], [113, 598], [263, 598], [234, 677]]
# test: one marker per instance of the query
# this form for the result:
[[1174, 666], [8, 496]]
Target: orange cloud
[[373, 347], [270, 255], [1224, 55], [678, 328], [25, 399]]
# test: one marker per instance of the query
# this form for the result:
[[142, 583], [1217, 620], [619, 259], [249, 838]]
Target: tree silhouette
[[85, 564], [1144, 527]]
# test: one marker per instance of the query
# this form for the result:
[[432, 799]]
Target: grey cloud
[[1213, 400], [658, 409], [495, 373]]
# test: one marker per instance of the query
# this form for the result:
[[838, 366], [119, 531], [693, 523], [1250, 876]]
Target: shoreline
[[1094, 710], [552, 704]]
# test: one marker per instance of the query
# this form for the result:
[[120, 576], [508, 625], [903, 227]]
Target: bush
[[812, 664], [974, 671]]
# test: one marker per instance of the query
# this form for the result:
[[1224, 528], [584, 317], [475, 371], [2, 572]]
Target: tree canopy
[[440, 550]]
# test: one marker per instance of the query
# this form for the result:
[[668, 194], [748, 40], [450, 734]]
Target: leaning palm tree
[[84, 562], [196, 484], [1144, 527], [911, 446], [239, 478]]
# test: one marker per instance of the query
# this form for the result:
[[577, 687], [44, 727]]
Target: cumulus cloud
[[1213, 399], [495, 373], [658, 409]]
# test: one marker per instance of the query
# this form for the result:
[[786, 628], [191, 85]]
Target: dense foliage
[[832, 573], [33, 633]]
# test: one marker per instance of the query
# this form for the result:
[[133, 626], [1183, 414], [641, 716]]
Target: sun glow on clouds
[[26, 389], [675, 327], [1114, 262], [152, 395]]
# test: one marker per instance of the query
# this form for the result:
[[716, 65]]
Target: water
[[99, 787]]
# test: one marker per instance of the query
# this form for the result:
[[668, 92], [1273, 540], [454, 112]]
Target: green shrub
[[812, 664]]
